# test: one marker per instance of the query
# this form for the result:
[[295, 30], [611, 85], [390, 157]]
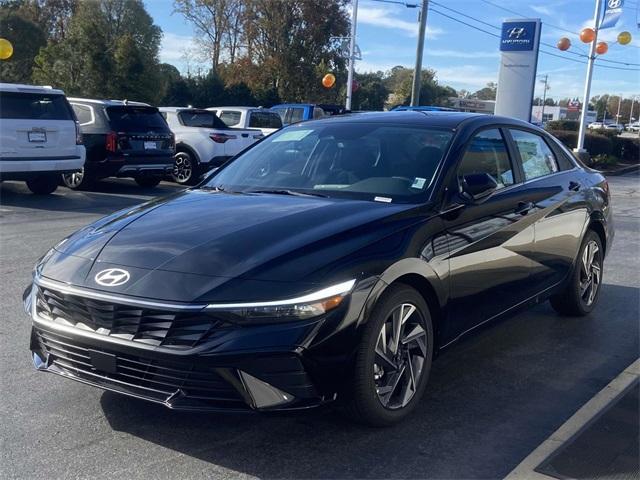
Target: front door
[[490, 241]]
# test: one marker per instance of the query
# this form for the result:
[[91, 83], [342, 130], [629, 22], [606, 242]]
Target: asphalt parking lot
[[492, 398]]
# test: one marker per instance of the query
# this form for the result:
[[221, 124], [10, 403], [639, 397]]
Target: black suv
[[123, 139]]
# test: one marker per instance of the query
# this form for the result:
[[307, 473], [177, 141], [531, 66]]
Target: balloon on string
[[328, 80], [564, 44], [602, 48], [6, 49], [624, 38], [587, 35]]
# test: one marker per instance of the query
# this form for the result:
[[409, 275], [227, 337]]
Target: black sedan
[[331, 261]]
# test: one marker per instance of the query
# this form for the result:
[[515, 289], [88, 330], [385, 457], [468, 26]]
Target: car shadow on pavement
[[491, 400], [104, 197]]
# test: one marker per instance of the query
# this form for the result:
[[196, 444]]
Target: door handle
[[574, 186], [524, 207]]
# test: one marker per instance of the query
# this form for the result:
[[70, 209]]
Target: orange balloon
[[601, 48], [328, 80], [563, 44], [587, 35]]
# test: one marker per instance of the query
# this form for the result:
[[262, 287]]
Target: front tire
[[43, 184], [393, 359], [582, 291]]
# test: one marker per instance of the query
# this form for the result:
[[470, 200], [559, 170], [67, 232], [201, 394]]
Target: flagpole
[[587, 84]]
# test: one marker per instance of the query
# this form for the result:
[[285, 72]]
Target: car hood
[[210, 246]]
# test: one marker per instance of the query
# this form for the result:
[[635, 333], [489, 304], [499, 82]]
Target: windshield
[[34, 106], [388, 163]]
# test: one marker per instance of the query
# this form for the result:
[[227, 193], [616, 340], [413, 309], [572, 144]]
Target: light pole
[[633, 99], [417, 71], [618, 114], [352, 50], [587, 84]]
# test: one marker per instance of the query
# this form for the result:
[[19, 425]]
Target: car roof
[[182, 109], [450, 120], [24, 88], [244, 109], [109, 103], [280, 105]]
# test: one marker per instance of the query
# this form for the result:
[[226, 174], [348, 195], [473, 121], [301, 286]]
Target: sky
[[463, 57]]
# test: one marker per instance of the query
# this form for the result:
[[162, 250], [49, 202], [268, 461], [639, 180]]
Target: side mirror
[[476, 186]]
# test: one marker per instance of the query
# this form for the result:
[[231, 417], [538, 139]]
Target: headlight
[[300, 308]]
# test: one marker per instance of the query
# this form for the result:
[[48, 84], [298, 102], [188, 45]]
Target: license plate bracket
[[37, 137], [150, 145], [104, 362]]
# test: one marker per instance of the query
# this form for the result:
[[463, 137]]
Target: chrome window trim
[[332, 291]]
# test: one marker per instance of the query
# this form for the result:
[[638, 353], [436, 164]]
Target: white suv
[[203, 141], [266, 120], [39, 136]]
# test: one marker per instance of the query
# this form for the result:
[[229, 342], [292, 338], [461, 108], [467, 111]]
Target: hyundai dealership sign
[[518, 64]]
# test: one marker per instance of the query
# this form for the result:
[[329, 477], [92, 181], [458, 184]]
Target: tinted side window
[[83, 113], [537, 158], [36, 106], [487, 153], [318, 112], [129, 118], [230, 117], [200, 119], [296, 114], [264, 120]]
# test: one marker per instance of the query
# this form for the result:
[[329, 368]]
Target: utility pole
[[417, 71], [544, 97], [352, 51], [587, 84], [618, 114], [633, 99]]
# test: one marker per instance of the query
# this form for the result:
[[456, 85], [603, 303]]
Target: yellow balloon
[[624, 38], [6, 49]]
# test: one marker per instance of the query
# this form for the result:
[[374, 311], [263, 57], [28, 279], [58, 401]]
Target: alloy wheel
[[73, 180], [400, 355], [590, 272], [182, 168]]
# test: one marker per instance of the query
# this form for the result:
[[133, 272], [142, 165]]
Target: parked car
[[633, 127], [203, 141], [421, 108], [595, 126], [330, 261], [267, 121], [298, 112], [614, 126], [123, 139], [39, 136]]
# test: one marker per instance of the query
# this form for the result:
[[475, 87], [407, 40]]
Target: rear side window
[[537, 158], [128, 118], [487, 153], [318, 112], [265, 120], [83, 113], [230, 117], [200, 119], [34, 106]]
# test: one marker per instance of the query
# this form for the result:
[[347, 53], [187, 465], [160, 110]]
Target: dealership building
[[558, 113]]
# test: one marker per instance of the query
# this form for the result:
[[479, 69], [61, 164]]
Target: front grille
[[180, 383], [172, 329]]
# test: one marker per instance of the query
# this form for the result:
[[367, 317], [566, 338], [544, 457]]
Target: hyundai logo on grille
[[112, 277]]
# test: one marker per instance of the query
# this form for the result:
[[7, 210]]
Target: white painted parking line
[[525, 470]]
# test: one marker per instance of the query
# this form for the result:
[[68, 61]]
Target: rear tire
[[77, 180], [43, 184], [392, 367], [185, 169], [147, 182], [582, 291]]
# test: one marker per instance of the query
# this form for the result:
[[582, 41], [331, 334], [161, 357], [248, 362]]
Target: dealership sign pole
[[519, 44], [587, 84]]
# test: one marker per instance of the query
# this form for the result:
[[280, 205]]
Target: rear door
[[37, 125], [561, 214], [267, 121], [141, 131], [490, 241]]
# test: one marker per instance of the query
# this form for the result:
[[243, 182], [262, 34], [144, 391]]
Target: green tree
[[487, 93], [27, 39], [431, 92], [110, 50], [372, 92]]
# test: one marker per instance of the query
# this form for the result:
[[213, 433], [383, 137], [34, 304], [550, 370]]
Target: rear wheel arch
[[184, 148], [596, 224]]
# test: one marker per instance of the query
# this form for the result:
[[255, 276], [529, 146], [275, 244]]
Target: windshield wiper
[[284, 191]]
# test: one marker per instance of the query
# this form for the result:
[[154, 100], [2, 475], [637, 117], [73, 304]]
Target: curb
[[525, 470], [621, 171]]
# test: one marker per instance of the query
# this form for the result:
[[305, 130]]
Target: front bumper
[[265, 379]]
